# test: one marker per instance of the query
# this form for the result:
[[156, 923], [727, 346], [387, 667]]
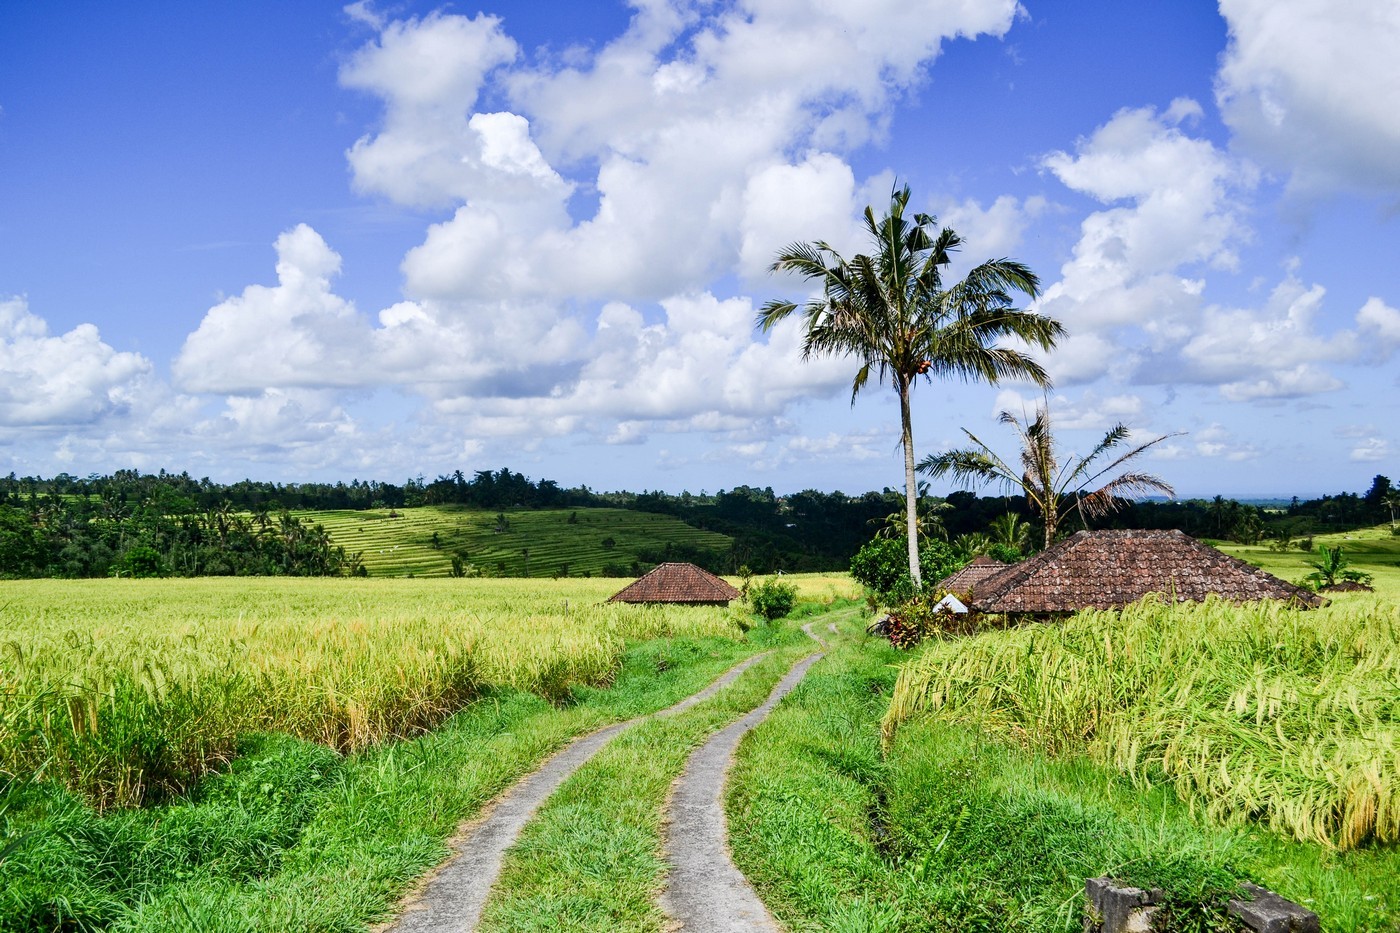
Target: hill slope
[[527, 543], [1373, 550]]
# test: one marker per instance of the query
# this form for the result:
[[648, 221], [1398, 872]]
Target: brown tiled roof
[[1109, 569], [677, 583], [967, 579]]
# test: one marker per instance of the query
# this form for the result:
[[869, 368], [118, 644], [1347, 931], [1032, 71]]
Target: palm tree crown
[[1046, 478], [893, 311]]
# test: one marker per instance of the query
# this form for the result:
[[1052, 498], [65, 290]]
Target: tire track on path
[[454, 896], [704, 892]]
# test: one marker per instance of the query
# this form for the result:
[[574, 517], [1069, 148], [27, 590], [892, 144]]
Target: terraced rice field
[[527, 544], [1255, 713]]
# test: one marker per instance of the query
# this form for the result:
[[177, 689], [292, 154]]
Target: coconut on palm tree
[[1053, 486], [894, 312]]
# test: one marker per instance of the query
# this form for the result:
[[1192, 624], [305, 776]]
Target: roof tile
[[1109, 569]]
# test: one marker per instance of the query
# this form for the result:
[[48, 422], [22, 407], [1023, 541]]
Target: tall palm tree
[[1046, 479], [894, 312]]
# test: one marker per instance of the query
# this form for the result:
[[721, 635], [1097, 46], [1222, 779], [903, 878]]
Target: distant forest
[[135, 524]]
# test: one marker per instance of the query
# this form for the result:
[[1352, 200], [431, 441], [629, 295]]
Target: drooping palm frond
[[1050, 484]]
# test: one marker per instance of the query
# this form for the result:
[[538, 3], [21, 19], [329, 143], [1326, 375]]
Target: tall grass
[[128, 691], [1253, 713]]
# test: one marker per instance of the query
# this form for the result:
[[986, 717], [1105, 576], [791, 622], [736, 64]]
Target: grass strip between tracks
[[591, 859]]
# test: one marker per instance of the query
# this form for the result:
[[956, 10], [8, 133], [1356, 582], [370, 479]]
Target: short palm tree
[[1011, 531], [894, 312], [1334, 568], [928, 523], [1052, 487]]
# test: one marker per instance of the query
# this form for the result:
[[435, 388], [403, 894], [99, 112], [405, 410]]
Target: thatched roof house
[[1109, 569], [967, 579], [678, 583]]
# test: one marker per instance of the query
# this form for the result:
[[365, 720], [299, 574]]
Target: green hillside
[[529, 543], [1373, 550]]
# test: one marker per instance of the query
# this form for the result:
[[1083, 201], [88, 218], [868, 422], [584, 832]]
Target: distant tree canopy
[[172, 524]]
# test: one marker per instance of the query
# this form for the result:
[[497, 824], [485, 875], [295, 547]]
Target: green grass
[[295, 836], [400, 546], [1373, 550], [591, 859], [952, 828]]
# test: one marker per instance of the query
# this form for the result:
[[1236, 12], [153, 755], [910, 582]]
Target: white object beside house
[[950, 603]]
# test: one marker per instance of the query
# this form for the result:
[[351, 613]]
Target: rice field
[[530, 543], [1253, 713], [130, 690]]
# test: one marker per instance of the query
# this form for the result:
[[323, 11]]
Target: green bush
[[882, 567], [1005, 553], [772, 599]]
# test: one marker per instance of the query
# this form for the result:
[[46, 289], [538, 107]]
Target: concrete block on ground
[[1266, 912], [1117, 909]]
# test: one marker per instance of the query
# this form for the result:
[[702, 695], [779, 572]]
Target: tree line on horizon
[[134, 524]]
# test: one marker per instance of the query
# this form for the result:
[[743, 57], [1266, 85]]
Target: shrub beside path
[[454, 897], [705, 893]]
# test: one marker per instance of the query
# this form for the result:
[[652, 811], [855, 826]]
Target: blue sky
[[296, 241]]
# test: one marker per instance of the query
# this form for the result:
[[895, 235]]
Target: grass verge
[[295, 836], [954, 829]]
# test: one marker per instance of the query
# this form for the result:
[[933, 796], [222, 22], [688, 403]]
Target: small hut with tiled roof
[[678, 583], [970, 577], [1109, 569]]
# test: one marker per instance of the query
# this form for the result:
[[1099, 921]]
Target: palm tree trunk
[[911, 501]]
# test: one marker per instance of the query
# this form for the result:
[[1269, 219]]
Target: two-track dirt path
[[705, 893], [454, 897]]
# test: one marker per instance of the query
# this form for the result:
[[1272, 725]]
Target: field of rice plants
[[130, 690], [529, 543], [1254, 714]]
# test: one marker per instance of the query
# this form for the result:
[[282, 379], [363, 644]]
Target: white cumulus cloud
[[1305, 86], [65, 379], [1128, 275], [295, 333]]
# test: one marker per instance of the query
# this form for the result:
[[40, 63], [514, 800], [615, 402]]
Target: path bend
[[456, 893]]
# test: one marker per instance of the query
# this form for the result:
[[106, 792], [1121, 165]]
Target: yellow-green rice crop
[[1252, 712], [128, 689]]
